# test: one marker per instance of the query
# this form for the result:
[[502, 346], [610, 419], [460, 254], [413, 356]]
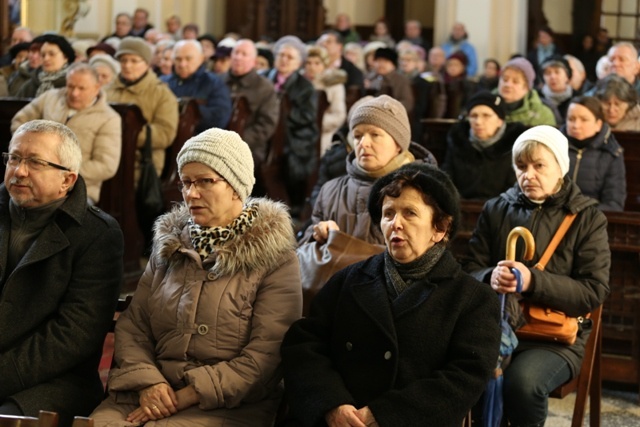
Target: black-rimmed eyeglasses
[[32, 163]]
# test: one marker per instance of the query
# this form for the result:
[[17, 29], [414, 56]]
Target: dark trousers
[[528, 380]]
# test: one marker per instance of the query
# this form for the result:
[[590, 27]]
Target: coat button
[[349, 346], [203, 329], [387, 355], [211, 276]]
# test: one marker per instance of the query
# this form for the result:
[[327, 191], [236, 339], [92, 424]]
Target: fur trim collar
[[263, 247]]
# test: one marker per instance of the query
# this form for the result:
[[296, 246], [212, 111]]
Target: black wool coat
[[422, 360], [56, 307]]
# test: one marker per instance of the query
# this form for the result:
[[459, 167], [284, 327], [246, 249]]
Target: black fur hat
[[62, 43], [387, 53], [431, 181]]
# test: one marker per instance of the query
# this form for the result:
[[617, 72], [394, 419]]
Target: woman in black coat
[[478, 156], [404, 338], [597, 160], [575, 280], [302, 132]]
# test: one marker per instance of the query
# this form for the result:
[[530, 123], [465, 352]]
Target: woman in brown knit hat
[[382, 140]]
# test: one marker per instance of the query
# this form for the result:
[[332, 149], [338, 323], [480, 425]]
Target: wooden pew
[[271, 171], [621, 310], [9, 106], [435, 136], [630, 142], [188, 120], [240, 112], [117, 196]]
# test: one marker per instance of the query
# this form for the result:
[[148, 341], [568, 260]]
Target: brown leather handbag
[[544, 323], [318, 262]]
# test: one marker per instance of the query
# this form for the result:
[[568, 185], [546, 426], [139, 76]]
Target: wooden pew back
[[9, 106], [240, 112], [117, 196], [188, 120], [271, 171], [630, 142]]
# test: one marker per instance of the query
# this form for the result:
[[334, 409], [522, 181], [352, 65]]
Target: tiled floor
[[620, 408]]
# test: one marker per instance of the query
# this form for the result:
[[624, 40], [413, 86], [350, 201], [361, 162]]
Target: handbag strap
[[146, 148], [553, 244]]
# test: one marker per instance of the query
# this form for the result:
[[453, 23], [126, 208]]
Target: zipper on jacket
[[575, 171]]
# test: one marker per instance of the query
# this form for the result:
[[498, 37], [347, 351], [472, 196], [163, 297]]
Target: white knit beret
[[552, 138], [224, 152]]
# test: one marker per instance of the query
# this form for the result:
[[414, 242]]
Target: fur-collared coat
[[217, 327]]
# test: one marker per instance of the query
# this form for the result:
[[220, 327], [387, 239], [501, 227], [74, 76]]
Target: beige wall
[[47, 15], [493, 34], [359, 15]]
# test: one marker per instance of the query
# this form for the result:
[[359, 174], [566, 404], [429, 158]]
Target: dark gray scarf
[[400, 276]]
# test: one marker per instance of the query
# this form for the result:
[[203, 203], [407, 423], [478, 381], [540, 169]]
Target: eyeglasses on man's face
[[202, 184], [32, 163]]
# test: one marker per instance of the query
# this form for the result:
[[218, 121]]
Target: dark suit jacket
[[56, 307]]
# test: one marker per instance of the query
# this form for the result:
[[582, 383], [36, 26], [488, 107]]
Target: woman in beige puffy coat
[[138, 84], [199, 344]]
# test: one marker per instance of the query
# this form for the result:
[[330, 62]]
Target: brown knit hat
[[135, 46], [386, 113], [224, 152]]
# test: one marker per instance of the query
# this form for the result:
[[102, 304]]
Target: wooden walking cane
[[529, 249]]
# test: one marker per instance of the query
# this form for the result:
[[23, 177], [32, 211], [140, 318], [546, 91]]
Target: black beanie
[[386, 53], [557, 61], [493, 101], [431, 181], [17, 48], [62, 43]]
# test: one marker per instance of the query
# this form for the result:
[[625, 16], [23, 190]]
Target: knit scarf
[[403, 158], [557, 98], [47, 79], [482, 144], [400, 276], [206, 239]]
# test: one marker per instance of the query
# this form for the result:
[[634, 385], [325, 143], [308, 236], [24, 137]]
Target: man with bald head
[[190, 79], [243, 80]]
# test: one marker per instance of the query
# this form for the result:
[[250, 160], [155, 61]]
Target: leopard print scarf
[[205, 239]]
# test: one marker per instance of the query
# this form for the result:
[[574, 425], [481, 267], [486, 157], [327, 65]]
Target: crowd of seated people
[[392, 86]]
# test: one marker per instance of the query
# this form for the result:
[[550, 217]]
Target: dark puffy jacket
[[301, 126], [576, 279], [598, 169], [480, 174]]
